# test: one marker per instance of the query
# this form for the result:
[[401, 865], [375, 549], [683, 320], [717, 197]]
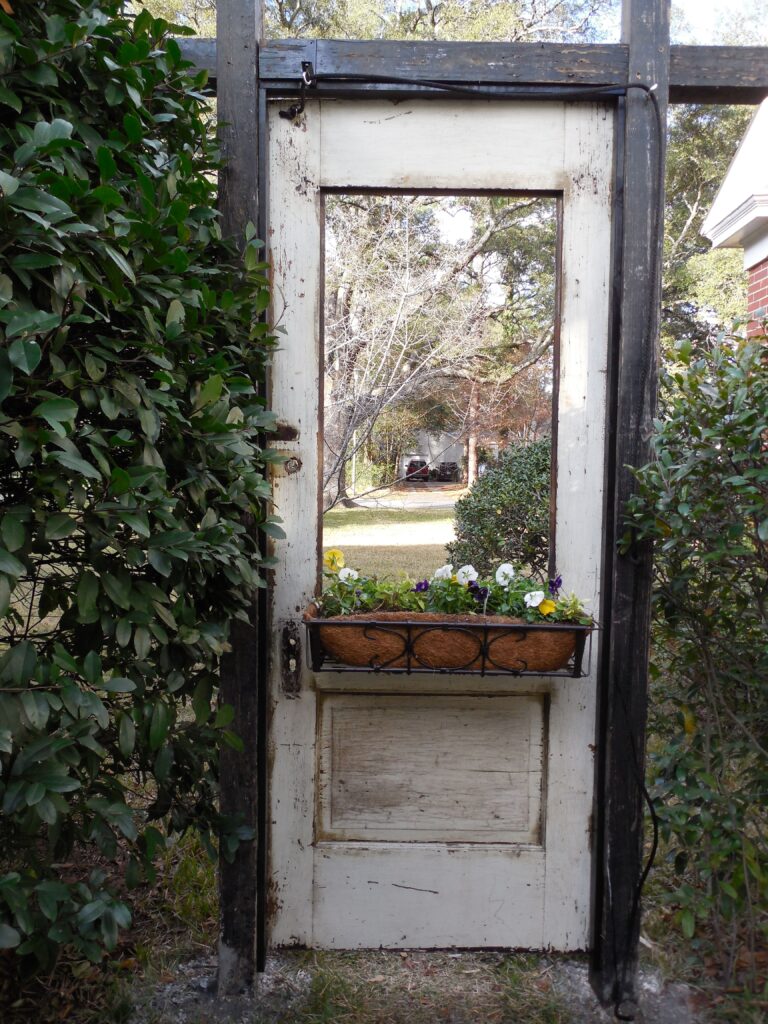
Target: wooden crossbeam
[[697, 74]]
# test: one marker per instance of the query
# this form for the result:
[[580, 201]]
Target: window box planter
[[408, 642]]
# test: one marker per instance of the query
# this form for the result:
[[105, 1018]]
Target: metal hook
[[308, 80]]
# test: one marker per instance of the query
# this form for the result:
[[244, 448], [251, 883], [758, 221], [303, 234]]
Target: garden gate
[[585, 87]]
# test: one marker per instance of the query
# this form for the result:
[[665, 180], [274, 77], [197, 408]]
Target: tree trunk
[[472, 428], [342, 498]]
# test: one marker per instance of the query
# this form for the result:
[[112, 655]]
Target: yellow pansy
[[333, 559], [547, 606]]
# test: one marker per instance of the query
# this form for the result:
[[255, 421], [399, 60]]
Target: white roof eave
[[748, 219], [741, 204]]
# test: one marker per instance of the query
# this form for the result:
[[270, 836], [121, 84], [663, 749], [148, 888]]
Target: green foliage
[[505, 517], [704, 501], [130, 352]]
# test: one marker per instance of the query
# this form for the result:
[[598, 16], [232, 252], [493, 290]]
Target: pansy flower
[[505, 574], [333, 559]]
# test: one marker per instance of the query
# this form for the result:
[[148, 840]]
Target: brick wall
[[757, 296]]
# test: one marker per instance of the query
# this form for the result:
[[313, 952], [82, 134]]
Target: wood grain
[[449, 769], [293, 251], [628, 576], [346, 893], [698, 74], [239, 24]]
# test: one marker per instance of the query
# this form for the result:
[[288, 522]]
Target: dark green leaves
[[106, 162], [25, 355], [56, 410], [130, 355], [703, 501]]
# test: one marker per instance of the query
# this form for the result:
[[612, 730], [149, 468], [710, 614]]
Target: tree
[[502, 20], [411, 313], [703, 289]]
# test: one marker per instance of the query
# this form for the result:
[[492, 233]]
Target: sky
[[702, 17], [705, 22]]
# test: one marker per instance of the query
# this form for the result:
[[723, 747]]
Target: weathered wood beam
[[202, 53], [718, 74], [698, 74], [489, 63], [239, 27], [627, 577]]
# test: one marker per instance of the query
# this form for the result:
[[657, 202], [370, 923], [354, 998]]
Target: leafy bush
[[505, 517], [130, 350], [705, 503]]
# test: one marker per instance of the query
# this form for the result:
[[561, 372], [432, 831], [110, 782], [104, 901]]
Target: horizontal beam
[[718, 74], [697, 74], [461, 63]]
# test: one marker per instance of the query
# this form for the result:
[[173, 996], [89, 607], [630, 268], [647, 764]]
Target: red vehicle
[[417, 469]]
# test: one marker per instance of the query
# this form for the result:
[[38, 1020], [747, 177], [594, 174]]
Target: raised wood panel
[[444, 769], [517, 147], [427, 895]]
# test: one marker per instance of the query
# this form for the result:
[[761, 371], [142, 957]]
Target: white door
[[420, 811]]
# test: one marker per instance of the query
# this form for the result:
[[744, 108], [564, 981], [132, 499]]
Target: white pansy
[[505, 574], [466, 574], [348, 575], [534, 599], [443, 573]]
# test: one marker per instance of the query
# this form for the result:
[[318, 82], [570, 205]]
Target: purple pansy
[[421, 586], [554, 585]]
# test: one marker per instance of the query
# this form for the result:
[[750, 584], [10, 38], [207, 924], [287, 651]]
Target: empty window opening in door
[[440, 327]]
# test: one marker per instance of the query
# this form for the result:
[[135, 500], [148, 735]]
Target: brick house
[[739, 214]]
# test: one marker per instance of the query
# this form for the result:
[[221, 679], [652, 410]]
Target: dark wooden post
[[627, 577], [239, 30]]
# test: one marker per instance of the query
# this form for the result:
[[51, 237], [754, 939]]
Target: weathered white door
[[420, 811]]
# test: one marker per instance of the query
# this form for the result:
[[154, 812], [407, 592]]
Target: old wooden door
[[433, 811]]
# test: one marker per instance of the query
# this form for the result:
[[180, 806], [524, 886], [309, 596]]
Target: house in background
[[739, 215]]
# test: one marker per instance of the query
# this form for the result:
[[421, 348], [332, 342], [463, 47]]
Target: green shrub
[[130, 351], [704, 501], [505, 517]]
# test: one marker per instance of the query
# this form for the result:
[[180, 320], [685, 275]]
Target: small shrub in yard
[[704, 501], [505, 517], [130, 351]]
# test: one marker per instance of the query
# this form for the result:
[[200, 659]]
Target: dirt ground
[[411, 987]]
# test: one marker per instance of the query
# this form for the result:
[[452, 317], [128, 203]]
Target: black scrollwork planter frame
[[452, 644]]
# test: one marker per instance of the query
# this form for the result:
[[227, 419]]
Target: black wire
[[502, 91]]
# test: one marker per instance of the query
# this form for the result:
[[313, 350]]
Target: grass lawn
[[387, 541], [417, 561]]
